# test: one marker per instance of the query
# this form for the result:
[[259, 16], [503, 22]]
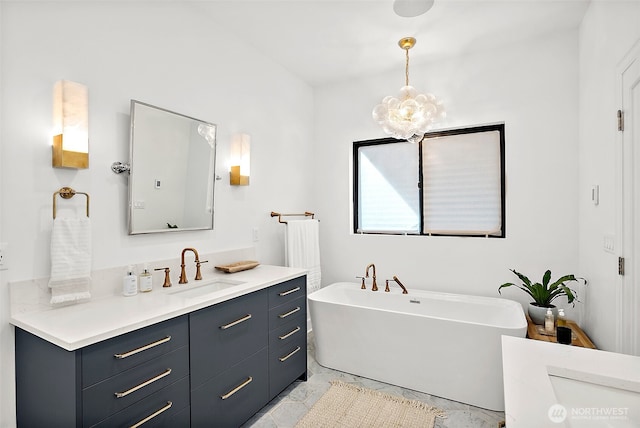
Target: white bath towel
[[303, 249], [70, 279]]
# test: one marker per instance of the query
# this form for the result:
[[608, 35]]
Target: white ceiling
[[328, 40]]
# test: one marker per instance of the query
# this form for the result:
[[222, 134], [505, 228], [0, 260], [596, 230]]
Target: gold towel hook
[[67, 193]]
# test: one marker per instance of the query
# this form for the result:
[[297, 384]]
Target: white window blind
[[462, 192], [388, 197]]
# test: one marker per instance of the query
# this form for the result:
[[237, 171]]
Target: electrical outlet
[[256, 238], [3, 255]]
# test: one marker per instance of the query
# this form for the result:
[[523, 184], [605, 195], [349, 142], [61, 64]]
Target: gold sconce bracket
[[236, 179], [70, 125], [66, 158]]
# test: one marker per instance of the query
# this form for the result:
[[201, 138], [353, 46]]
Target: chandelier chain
[[406, 67]]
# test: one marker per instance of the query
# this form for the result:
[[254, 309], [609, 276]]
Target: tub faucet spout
[[366, 274], [395, 278]]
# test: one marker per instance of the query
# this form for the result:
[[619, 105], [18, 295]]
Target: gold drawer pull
[[142, 348], [143, 384], [237, 388], [153, 415], [293, 290], [236, 322], [289, 355], [294, 331], [289, 313]]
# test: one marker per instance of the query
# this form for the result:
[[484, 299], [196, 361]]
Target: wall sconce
[[71, 125], [240, 160]]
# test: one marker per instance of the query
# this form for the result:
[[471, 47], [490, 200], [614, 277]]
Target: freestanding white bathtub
[[442, 344]]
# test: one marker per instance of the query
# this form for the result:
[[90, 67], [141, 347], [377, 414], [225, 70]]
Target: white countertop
[[75, 326], [529, 393]]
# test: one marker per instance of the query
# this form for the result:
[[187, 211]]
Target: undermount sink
[[595, 401], [190, 291]]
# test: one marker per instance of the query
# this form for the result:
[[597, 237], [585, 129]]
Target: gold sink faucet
[[183, 274], [366, 275]]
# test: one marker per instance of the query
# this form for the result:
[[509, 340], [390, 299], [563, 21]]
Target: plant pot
[[537, 313]]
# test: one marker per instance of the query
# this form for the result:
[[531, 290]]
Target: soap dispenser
[[130, 283], [562, 319], [145, 280], [549, 325], [563, 332]]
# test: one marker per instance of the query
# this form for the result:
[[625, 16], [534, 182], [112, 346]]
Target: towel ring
[[67, 193]]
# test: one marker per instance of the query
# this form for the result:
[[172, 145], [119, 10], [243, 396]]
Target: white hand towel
[[70, 279], [303, 249]]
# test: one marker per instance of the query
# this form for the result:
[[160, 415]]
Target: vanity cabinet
[[216, 366], [129, 378], [247, 351], [229, 374], [287, 334]]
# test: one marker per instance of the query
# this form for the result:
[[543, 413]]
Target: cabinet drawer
[[286, 365], [126, 388], [287, 291], [224, 334], [284, 314], [168, 408], [284, 335], [231, 398], [107, 358]]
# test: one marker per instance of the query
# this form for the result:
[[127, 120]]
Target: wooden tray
[[238, 266]]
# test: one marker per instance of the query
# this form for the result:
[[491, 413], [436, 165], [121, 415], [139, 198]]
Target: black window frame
[[500, 127]]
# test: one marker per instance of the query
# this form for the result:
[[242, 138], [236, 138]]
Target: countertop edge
[[35, 322]]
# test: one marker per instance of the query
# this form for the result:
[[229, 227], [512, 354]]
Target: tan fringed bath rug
[[346, 405]]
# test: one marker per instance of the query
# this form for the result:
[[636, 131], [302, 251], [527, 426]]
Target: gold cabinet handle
[[142, 348], [237, 388], [294, 331], [289, 313], [143, 384], [289, 355], [236, 322], [293, 290], [153, 415]]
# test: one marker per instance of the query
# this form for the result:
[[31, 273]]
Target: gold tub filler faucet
[[395, 278], [183, 274]]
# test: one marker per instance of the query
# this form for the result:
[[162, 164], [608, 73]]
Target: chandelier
[[410, 115]]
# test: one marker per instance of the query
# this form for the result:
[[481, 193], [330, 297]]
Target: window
[[452, 183]]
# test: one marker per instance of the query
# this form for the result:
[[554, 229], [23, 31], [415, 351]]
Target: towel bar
[[67, 193], [279, 215]]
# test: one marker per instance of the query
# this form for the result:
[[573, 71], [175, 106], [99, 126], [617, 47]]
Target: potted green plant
[[545, 292]]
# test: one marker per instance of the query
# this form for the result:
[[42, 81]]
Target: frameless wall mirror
[[172, 171]]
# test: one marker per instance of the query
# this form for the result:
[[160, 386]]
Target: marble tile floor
[[293, 403]]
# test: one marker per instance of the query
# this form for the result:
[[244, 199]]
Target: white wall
[[169, 54], [6, 361], [608, 31], [533, 88]]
